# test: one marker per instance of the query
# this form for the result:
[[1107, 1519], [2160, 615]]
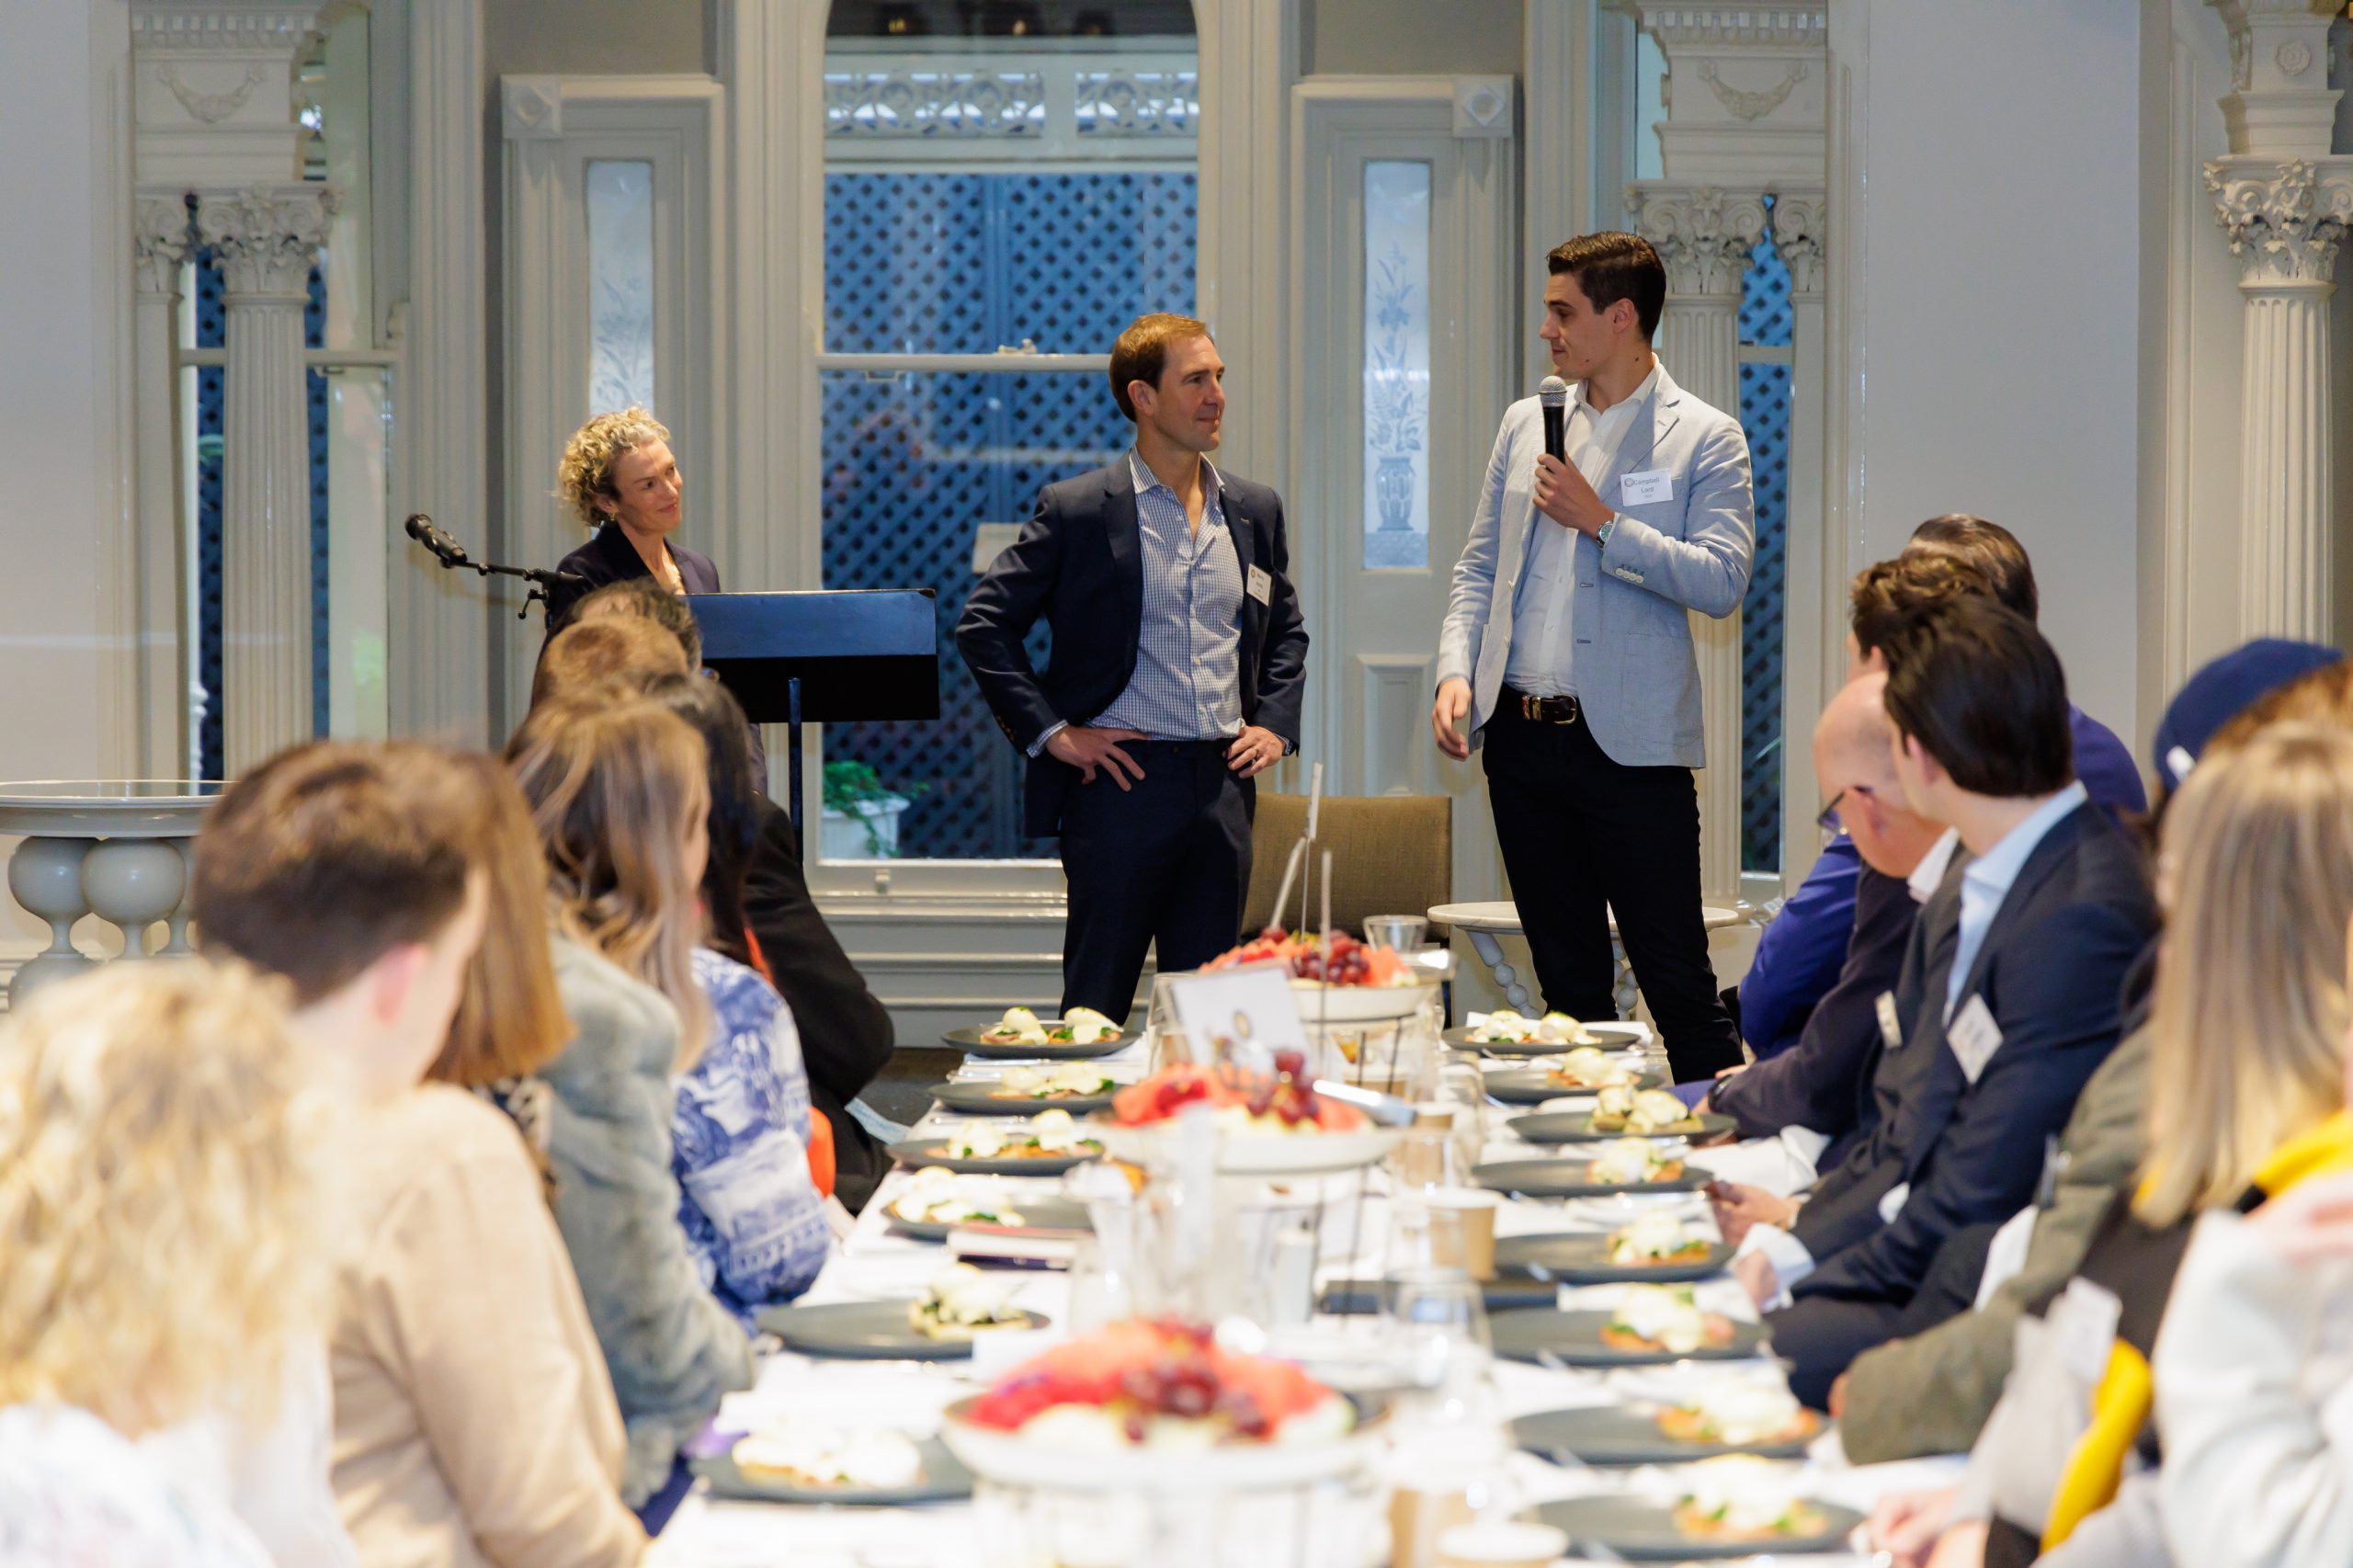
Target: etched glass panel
[[620, 283], [1397, 365]]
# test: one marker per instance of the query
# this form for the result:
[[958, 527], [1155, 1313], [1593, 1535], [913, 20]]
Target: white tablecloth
[[874, 1264]]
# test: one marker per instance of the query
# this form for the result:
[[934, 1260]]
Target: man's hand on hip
[[1253, 751], [1447, 715], [1088, 750], [1562, 494]]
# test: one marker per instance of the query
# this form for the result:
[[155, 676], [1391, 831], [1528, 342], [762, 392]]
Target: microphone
[[450, 552], [1553, 393]]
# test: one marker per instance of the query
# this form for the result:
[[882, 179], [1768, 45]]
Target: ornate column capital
[[2285, 218], [265, 238], [160, 243], [1801, 232], [1702, 233]]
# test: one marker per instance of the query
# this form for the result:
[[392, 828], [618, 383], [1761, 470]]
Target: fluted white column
[[2285, 219], [1704, 235], [264, 240], [161, 245]]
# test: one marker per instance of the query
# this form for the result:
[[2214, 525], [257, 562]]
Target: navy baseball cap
[[2223, 689]]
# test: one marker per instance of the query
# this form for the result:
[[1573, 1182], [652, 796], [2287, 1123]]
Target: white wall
[[57, 413], [1999, 246]]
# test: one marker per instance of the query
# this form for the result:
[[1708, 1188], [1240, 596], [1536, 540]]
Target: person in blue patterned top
[[740, 1133]]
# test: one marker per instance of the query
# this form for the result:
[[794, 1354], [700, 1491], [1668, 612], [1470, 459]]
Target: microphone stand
[[540, 577]]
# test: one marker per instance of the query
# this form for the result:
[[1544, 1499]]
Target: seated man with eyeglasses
[[1820, 1083]]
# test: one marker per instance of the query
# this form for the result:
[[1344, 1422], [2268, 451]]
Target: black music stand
[[823, 657]]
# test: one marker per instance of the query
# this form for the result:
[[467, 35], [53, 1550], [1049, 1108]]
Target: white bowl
[[1245, 1153], [1011, 1460], [1322, 1003]]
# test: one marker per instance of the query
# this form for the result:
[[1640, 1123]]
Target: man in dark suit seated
[[2009, 998], [1178, 661], [1819, 1083]]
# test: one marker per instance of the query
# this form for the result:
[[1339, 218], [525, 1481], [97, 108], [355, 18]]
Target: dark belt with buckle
[[1543, 710]]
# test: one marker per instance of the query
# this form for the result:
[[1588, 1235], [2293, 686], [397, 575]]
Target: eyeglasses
[[1829, 820]]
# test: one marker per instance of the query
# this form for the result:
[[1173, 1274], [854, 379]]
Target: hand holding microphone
[[1562, 493]]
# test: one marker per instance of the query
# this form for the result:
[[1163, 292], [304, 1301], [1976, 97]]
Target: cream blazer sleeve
[[470, 1301]]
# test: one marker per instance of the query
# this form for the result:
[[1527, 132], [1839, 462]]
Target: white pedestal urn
[[116, 849]]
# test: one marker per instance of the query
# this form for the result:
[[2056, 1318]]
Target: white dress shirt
[[1544, 660]]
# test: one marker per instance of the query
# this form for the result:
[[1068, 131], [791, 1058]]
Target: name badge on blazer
[[1646, 488], [1261, 585], [1890, 1027], [1975, 1037]]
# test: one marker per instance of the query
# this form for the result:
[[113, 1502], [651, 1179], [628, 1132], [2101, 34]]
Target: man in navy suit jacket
[[1178, 664], [2009, 996]]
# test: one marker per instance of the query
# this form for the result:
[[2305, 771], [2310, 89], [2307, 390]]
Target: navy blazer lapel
[[2039, 866], [1120, 531], [1243, 532]]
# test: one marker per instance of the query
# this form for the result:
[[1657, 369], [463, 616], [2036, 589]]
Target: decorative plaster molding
[[159, 27], [1482, 106], [211, 109], [2285, 220], [531, 108], [1702, 233], [1751, 104], [867, 105], [1801, 229], [160, 242], [264, 239], [1803, 24]]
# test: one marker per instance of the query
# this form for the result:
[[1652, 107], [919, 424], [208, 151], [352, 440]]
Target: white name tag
[[2084, 1318], [1975, 1037], [1261, 585], [1890, 1027], [1646, 488]]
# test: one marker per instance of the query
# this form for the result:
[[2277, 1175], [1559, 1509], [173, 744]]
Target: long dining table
[[874, 1263]]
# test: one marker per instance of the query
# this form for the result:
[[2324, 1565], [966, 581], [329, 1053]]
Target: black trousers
[[1166, 860], [1820, 1337], [1584, 837]]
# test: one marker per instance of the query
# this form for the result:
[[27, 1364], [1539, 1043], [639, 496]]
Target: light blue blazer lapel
[[1650, 425]]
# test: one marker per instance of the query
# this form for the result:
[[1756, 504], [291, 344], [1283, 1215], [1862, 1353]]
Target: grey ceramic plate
[[1582, 1258], [1550, 1337], [943, 1481], [933, 1151], [978, 1098], [1612, 1037], [969, 1041], [1605, 1434], [865, 1331], [1577, 1126], [1533, 1085], [1036, 1214], [1567, 1179], [1640, 1531], [1345, 1296]]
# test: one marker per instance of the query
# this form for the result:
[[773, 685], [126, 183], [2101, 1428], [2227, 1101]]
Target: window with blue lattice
[[1765, 366], [997, 207]]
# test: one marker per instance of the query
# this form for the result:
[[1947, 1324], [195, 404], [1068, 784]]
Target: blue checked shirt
[[1187, 683], [740, 1138]]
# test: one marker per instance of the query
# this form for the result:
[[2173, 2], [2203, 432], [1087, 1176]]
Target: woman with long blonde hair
[[617, 797], [161, 1251]]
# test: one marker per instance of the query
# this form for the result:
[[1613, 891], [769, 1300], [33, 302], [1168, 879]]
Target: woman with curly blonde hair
[[162, 1251], [618, 792], [618, 476]]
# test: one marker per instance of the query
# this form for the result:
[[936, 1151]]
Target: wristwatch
[[1601, 535]]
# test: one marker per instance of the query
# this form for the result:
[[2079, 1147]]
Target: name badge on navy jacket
[[1975, 1037], [1890, 1027], [1261, 586], [1646, 488]]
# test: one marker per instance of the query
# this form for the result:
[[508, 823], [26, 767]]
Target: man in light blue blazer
[[1567, 650]]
